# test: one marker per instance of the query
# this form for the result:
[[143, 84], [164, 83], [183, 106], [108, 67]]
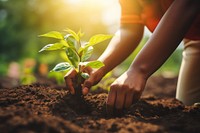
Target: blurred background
[[21, 21]]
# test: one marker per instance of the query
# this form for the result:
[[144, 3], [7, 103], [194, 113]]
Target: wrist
[[139, 71], [138, 78], [106, 68]]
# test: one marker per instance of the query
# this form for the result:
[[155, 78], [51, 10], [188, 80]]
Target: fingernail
[[85, 90]]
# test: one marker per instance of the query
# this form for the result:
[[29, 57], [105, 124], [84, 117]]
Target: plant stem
[[79, 78], [78, 87]]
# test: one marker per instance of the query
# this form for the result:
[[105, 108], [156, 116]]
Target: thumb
[[87, 85]]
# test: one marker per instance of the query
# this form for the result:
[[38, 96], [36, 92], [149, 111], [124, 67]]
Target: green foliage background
[[21, 21]]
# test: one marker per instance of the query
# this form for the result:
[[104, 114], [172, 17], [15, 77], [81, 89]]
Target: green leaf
[[64, 56], [55, 46], [93, 64], [95, 40], [64, 66], [76, 36], [98, 38], [73, 56], [53, 34], [87, 53], [85, 75], [71, 41]]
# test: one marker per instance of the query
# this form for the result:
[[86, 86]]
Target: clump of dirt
[[39, 108]]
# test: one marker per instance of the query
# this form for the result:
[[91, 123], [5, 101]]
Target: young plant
[[77, 53]]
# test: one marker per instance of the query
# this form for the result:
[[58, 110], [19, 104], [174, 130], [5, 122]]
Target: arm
[[127, 38], [121, 46], [167, 36], [128, 88]]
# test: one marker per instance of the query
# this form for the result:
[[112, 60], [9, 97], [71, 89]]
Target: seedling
[[77, 53]]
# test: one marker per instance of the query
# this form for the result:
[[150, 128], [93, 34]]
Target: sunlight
[[73, 1], [109, 11]]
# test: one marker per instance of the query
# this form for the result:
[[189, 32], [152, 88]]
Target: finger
[[71, 73], [128, 100], [85, 91], [136, 96], [69, 85], [87, 85], [69, 80], [87, 70], [111, 101], [119, 103]]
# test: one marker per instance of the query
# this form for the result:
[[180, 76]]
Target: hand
[[125, 91], [95, 77], [70, 80]]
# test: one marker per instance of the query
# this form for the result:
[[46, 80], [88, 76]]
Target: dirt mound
[[37, 108]]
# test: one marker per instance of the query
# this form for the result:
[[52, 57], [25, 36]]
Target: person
[[171, 21]]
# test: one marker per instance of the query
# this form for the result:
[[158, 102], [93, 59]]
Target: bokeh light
[[22, 21]]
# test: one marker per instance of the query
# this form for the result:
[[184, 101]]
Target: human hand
[[94, 78], [125, 91]]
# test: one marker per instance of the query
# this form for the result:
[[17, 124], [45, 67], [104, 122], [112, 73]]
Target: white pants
[[188, 87]]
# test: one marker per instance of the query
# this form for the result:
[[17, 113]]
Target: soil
[[47, 108]]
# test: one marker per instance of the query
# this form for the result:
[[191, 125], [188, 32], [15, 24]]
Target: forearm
[[121, 46], [167, 36]]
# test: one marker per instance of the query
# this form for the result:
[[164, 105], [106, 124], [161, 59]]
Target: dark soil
[[50, 109]]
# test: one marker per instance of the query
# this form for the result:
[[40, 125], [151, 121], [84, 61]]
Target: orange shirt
[[149, 13]]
